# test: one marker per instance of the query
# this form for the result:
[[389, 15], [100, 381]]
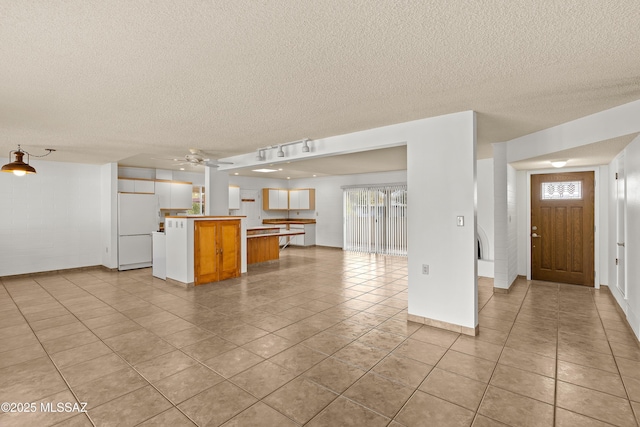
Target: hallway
[[319, 338]]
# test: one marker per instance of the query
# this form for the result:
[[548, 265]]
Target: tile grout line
[[501, 351], [44, 349]]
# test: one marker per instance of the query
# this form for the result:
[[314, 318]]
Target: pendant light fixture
[[19, 167]]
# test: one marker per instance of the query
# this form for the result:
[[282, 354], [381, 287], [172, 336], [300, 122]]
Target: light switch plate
[[460, 221]]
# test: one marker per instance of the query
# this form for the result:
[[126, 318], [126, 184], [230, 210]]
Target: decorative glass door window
[[562, 190]]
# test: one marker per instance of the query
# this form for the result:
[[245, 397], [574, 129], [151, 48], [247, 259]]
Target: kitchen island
[[263, 243], [300, 224], [205, 249]]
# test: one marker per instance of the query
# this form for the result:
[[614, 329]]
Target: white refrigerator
[[137, 219]]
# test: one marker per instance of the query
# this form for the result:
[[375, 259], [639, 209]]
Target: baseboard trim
[[62, 271], [182, 284], [506, 291], [619, 310], [444, 325]]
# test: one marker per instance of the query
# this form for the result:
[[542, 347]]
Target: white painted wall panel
[[632, 231], [51, 220]]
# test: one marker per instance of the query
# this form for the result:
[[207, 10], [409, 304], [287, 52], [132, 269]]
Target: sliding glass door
[[375, 219]]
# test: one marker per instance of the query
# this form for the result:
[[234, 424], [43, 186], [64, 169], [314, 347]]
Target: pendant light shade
[[19, 167]]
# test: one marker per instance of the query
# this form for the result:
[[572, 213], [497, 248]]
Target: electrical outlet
[[425, 269]]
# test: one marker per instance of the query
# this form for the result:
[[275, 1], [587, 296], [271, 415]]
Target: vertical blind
[[375, 219]]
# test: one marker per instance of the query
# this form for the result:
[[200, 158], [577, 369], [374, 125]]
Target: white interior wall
[[522, 195], [217, 192], [512, 225], [632, 232], [441, 168], [602, 191], [630, 303], [329, 209], [501, 217], [485, 215], [109, 214], [50, 220]]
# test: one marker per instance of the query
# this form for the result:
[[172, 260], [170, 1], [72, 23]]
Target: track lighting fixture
[[262, 155], [19, 167]]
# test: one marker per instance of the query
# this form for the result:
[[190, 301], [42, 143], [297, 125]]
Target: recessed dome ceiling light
[[558, 163]]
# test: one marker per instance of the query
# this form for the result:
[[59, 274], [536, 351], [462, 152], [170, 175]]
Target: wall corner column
[[216, 185], [441, 179]]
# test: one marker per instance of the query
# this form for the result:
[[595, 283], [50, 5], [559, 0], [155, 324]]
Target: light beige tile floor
[[319, 338]]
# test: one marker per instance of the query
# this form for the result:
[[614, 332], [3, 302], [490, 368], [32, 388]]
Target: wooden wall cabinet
[[217, 250], [275, 199], [295, 199]]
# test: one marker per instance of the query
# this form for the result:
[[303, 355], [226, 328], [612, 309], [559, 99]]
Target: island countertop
[[288, 221]]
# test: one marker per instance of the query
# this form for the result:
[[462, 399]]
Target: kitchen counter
[[288, 221], [205, 217]]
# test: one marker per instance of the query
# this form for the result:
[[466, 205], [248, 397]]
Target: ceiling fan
[[197, 158]]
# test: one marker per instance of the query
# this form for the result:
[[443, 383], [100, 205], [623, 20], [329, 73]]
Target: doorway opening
[[562, 227]]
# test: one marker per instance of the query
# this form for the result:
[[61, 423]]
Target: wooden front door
[[229, 249], [205, 252], [562, 227]]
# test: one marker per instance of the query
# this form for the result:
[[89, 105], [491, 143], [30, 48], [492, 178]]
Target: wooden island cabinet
[[216, 250], [205, 249]]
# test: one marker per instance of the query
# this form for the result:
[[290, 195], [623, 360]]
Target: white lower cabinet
[[306, 239]]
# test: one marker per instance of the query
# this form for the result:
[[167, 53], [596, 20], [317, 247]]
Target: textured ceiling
[[599, 153], [107, 80]]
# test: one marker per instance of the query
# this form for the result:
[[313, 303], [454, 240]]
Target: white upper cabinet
[[141, 186], [174, 195], [302, 199], [163, 190], [136, 186], [275, 199], [283, 199], [294, 199], [181, 195], [297, 199], [234, 197]]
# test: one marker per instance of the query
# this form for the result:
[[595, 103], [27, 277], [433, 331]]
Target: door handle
[[535, 235], [621, 244]]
